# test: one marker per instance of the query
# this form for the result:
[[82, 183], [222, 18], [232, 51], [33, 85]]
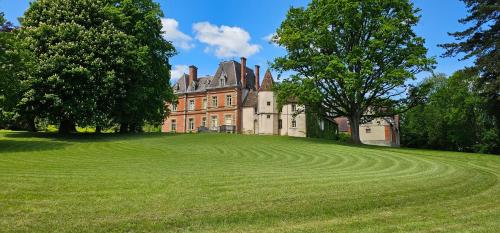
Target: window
[[321, 124], [174, 107], [268, 103], [173, 126], [228, 120], [268, 116], [204, 103], [294, 107], [204, 122], [222, 82], [214, 101], [214, 123], [294, 123], [191, 105], [191, 124], [280, 124], [368, 130], [229, 100], [255, 110]]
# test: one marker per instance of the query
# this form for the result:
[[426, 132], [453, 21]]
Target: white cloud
[[269, 38], [171, 33], [225, 41], [178, 71]]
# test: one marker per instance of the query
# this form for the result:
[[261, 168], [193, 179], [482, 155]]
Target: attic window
[[177, 87], [222, 82]]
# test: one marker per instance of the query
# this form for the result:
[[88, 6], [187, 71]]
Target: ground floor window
[[280, 124], [228, 119], [191, 124], [204, 122], [214, 123], [173, 126], [368, 130]]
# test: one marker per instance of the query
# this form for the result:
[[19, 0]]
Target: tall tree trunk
[[354, 124], [98, 129], [31, 124], [67, 126], [123, 128]]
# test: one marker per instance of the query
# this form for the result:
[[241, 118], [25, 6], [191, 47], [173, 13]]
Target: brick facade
[[228, 86]]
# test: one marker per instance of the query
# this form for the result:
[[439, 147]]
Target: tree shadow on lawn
[[85, 137], [11, 146]]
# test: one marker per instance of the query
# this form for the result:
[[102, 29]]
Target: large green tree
[[99, 62], [146, 84], [15, 64], [351, 58], [453, 117], [79, 53], [480, 42]]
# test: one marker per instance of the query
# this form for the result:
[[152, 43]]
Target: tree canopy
[[96, 62], [480, 42], [351, 58], [453, 117]]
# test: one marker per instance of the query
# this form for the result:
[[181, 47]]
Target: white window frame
[[294, 123], [229, 100], [174, 107], [204, 121], [192, 105], [204, 103], [215, 102], [173, 125], [228, 117], [212, 125], [191, 126]]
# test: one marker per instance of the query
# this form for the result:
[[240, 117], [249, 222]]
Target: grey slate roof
[[251, 100], [230, 70]]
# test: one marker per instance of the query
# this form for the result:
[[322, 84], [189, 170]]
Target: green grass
[[232, 183]]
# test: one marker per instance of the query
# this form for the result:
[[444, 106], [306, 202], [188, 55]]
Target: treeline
[[455, 116], [85, 63]]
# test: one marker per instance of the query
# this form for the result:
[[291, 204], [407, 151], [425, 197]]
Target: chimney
[[243, 72], [257, 77], [193, 74]]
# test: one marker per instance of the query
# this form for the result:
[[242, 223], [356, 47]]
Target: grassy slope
[[230, 183]]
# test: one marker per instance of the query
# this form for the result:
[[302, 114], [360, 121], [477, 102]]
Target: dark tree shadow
[[11, 146], [86, 137]]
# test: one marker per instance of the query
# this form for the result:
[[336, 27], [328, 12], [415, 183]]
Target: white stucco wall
[[287, 118], [376, 136], [267, 114], [249, 118]]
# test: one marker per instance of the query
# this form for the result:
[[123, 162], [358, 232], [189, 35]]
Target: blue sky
[[207, 32]]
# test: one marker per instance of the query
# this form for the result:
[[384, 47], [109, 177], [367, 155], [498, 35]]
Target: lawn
[[234, 183]]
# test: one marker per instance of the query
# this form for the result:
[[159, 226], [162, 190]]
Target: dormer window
[[223, 79]]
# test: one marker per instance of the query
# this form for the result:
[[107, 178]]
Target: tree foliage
[[351, 58], [14, 66], [97, 61], [480, 42], [454, 117]]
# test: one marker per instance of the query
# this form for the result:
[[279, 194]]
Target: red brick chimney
[[243, 72], [257, 77], [193, 74]]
